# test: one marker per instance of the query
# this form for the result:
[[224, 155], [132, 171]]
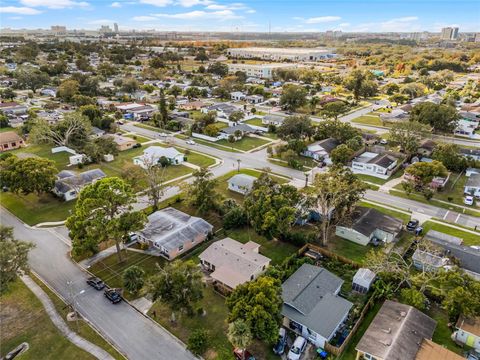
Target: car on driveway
[[412, 225], [113, 295], [468, 200], [297, 349], [96, 282], [279, 347]]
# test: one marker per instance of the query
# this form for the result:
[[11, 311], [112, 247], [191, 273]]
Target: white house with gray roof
[[311, 305], [232, 263], [173, 232], [69, 184], [472, 186], [153, 154], [241, 183]]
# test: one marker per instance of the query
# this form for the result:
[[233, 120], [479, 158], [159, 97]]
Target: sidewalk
[[60, 323], [86, 263]]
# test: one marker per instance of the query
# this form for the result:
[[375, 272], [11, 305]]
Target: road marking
[[457, 218], [446, 214]]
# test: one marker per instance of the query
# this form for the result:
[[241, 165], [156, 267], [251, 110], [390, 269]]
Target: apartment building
[[263, 71]]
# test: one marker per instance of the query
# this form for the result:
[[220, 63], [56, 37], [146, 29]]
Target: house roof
[[326, 144], [427, 258], [396, 332], [468, 257], [433, 235], [242, 127], [309, 299], [367, 220], [469, 152], [274, 118], [156, 152], [432, 351], [234, 262], [473, 180], [471, 325], [243, 180], [364, 277], [76, 181], [9, 136], [383, 160], [171, 228]]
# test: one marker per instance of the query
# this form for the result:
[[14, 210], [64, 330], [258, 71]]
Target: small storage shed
[[362, 280]]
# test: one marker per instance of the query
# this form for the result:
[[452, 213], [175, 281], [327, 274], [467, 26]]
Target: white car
[[191, 142], [384, 142], [297, 348], [468, 200]]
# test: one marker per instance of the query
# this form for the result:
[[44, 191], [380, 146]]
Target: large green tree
[[336, 129], [442, 118], [133, 279], [341, 154], [202, 192], [333, 110], [422, 173], [298, 127], [293, 97], [258, 303], [68, 89], [13, 257], [408, 135], [448, 154], [360, 83], [103, 212], [30, 78]]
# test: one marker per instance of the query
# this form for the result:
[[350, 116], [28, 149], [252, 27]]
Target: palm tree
[[239, 335], [313, 103]]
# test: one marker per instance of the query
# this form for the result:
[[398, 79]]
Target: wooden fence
[[328, 253]]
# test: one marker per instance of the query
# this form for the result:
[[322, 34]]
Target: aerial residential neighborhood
[[203, 179]]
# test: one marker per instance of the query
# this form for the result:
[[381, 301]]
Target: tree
[[360, 84], [210, 130], [398, 98], [239, 335], [31, 78], [13, 257], [335, 194], [96, 149], [192, 92], [103, 212], [133, 279], [293, 97], [130, 85], [201, 56], [448, 154], [334, 109], [8, 94], [162, 107], [202, 192], [336, 129], [442, 118], [155, 176], [408, 134], [258, 303], [68, 89], [422, 173], [297, 127], [92, 113], [341, 154], [198, 341], [236, 116], [4, 122], [73, 131], [178, 284], [271, 207], [175, 90], [218, 68], [28, 175]]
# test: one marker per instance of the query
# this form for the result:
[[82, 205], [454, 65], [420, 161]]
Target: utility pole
[[306, 179], [238, 162]]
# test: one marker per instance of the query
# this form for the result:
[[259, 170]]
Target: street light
[[306, 179], [72, 300]]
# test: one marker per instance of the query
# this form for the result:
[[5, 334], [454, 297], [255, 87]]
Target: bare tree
[[73, 128], [155, 176]]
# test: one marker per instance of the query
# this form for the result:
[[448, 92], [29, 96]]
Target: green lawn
[[198, 158], [33, 209], [150, 127], [82, 328], [220, 125], [349, 249], [245, 144], [442, 332], [140, 139], [468, 238], [373, 120], [24, 319], [214, 145], [371, 179], [8, 128], [61, 159], [255, 121]]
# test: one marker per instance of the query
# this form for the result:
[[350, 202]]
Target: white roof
[[158, 151], [364, 277], [129, 106]]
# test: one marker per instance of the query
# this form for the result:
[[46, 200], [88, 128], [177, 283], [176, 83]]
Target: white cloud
[[400, 24], [15, 17], [251, 11], [55, 4], [200, 14], [116, 4], [158, 3], [321, 19], [101, 22], [190, 3], [19, 10], [144, 18]]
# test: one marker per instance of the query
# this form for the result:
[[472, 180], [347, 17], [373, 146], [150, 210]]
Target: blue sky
[[249, 15]]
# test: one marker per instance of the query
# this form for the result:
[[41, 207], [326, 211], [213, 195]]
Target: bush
[[234, 218], [198, 341], [298, 238]]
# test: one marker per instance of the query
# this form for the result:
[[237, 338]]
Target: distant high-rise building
[[57, 29], [450, 33], [115, 27], [105, 29]]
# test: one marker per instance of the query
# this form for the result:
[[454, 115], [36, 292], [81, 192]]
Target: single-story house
[[276, 120], [395, 115], [10, 140], [426, 147], [69, 184], [320, 150], [142, 112], [472, 186], [396, 333], [472, 153], [426, 261], [231, 130], [241, 183], [153, 154], [237, 96], [254, 99], [468, 332], [373, 164], [173, 232], [123, 142], [13, 108], [193, 105], [17, 121], [96, 132], [311, 304], [470, 171], [223, 110], [232, 263], [369, 223], [363, 280], [48, 92], [466, 127]]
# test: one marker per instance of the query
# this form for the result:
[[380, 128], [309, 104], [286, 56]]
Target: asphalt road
[[136, 336]]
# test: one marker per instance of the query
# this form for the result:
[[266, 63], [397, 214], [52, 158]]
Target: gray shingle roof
[[242, 127], [473, 181], [75, 182], [367, 220], [242, 180], [468, 257], [309, 299]]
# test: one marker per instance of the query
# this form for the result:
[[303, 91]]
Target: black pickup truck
[[113, 295]]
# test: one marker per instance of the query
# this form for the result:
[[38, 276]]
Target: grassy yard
[[198, 159], [379, 181], [255, 121], [139, 138], [349, 249], [33, 209], [245, 144], [61, 159], [214, 145], [8, 128], [373, 120], [468, 238], [220, 125], [24, 319], [442, 332]]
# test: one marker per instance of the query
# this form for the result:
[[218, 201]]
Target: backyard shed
[[362, 280]]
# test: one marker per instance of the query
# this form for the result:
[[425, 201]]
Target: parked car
[[136, 146], [468, 200], [96, 282], [242, 354], [191, 142], [412, 225], [113, 295], [297, 348], [384, 142], [279, 347]]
